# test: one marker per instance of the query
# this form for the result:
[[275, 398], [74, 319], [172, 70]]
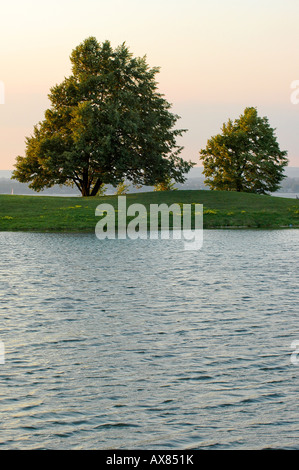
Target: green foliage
[[245, 157], [107, 122], [166, 185], [122, 188], [102, 190]]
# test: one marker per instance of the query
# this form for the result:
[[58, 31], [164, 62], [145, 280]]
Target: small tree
[[102, 190], [122, 188], [107, 122], [166, 185], [245, 157]]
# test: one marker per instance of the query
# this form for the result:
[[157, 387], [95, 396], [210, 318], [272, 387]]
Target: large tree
[[107, 122], [245, 157]]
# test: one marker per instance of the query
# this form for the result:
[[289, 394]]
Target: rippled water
[[142, 345]]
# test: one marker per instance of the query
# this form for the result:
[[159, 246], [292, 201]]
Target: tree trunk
[[239, 185], [85, 184], [96, 187], [85, 191]]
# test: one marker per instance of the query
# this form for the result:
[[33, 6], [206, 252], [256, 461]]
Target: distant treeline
[[7, 186], [290, 185]]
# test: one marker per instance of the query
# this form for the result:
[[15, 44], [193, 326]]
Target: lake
[[138, 344]]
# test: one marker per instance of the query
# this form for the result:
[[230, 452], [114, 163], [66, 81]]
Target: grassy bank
[[72, 214]]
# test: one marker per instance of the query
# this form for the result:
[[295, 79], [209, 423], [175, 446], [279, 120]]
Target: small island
[[221, 209]]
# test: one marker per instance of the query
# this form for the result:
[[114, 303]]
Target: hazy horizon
[[290, 171]]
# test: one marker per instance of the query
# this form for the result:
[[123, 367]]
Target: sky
[[216, 58]]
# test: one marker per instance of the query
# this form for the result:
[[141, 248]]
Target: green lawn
[[76, 214]]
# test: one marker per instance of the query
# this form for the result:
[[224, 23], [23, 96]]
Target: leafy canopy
[[245, 157], [107, 122]]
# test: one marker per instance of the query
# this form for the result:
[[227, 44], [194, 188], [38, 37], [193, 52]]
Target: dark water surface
[[142, 345]]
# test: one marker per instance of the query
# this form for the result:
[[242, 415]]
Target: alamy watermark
[[2, 93], [2, 353], [295, 353], [295, 94], [113, 223]]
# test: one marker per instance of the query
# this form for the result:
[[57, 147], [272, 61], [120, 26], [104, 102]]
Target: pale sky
[[217, 57]]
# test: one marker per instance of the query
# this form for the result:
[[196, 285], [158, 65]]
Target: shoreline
[[221, 210]]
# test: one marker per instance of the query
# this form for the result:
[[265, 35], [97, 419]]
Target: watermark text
[[295, 353], [2, 353], [295, 94], [177, 222]]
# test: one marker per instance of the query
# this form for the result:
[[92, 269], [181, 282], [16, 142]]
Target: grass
[[222, 209]]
